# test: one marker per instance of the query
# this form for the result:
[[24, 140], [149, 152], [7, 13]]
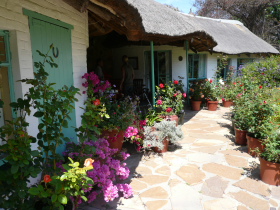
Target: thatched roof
[[148, 20], [232, 36]]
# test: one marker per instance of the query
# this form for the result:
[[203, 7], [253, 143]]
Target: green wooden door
[[43, 34]]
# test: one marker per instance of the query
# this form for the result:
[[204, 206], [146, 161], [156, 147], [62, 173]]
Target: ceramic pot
[[240, 137], [253, 144], [227, 103], [114, 138], [196, 105], [165, 147], [212, 105], [171, 118], [270, 172]]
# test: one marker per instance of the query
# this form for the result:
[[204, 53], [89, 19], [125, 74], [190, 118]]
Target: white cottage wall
[[13, 20]]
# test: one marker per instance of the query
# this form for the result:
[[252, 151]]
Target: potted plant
[[228, 93], [241, 118], [196, 94], [211, 92], [170, 100], [121, 116], [159, 137], [270, 160], [106, 115]]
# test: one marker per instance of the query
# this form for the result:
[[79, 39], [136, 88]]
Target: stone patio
[[206, 171]]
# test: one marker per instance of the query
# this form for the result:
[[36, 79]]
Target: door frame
[[8, 64]]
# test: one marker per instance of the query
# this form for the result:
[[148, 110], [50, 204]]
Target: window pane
[[2, 50]]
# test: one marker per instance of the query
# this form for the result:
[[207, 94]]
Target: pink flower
[[176, 82], [161, 85], [175, 94], [223, 99], [143, 122], [169, 109], [265, 102], [159, 102], [185, 95]]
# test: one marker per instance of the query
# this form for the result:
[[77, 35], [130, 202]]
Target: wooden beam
[[84, 6], [99, 12], [104, 6]]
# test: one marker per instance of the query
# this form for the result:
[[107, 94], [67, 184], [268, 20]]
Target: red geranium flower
[[176, 82], [175, 94], [96, 102], [161, 85], [260, 87], [169, 109], [210, 80], [47, 178]]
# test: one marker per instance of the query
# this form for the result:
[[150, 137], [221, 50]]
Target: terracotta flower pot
[[212, 105], [114, 138], [196, 105], [253, 144], [227, 103], [270, 172], [171, 118], [240, 137], [165, 147]]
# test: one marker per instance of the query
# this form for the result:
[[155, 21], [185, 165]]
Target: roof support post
[[153, 72], [187, 67]]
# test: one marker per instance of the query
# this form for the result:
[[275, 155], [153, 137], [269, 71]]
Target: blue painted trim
[[153, 72], [46, 18]]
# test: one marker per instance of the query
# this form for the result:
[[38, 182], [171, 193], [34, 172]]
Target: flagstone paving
[[206, 171]]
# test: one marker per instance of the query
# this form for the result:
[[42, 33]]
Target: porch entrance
[[163, 67]]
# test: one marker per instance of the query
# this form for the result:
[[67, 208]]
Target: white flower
[[221, 82]]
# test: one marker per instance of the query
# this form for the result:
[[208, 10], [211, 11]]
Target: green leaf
[[54, 198], [62, 199], [21, 194], [14, 169], [34, 191], [38, 114], [84, 198], [26, 162], [45, 194], [35, 153]]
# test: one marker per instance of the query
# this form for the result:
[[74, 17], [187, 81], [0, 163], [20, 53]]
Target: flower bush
[[104, 111], [170, 98], [211, 90], [196, 92], [108, 169], [73, 184], [257, 103]]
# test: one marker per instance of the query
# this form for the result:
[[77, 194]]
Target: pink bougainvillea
[[108, 170]]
